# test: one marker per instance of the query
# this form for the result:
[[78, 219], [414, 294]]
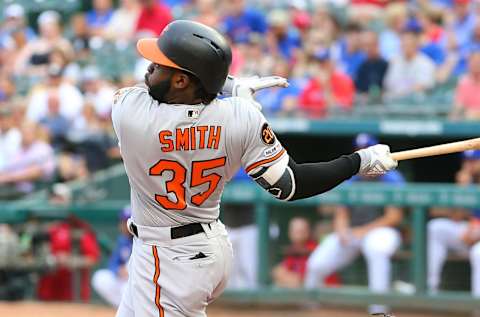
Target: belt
[[176, 232]]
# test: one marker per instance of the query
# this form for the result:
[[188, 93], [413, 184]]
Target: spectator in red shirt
[[290, 272], [377, 3], [364, 11], [66, 238], [154, 17], [58, 284], [328, 90], [467, 96]]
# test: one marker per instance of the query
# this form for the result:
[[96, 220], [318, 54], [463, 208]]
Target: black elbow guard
[[278, 179]]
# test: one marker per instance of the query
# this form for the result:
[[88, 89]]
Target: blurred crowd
[[59, 69]]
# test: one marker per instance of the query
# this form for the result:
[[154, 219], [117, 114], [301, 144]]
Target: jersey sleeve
[[123, 100], [261, 147]]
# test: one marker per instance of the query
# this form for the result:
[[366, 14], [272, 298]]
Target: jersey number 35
[[177, 184]]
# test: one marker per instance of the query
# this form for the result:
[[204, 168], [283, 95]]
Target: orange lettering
[[214, 137], [182, 139], [202, 129], [193, 139], [198, 178], [167, 143], [175, 185]]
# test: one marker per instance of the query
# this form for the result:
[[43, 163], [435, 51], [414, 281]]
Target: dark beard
[[158, 92]]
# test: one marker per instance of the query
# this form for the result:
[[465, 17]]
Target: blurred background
[[404, 73]]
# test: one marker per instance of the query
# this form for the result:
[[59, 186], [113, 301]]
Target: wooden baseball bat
[[447, 148]]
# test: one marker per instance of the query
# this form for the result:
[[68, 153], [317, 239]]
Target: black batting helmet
[[194, 48]]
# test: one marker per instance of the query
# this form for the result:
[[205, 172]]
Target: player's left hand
[[247, 86], [376, 160]]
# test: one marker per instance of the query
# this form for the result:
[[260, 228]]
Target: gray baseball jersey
[[178, 158]]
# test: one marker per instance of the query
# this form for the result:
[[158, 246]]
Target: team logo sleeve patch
[[121, 92], [266, 134], [116, 96]]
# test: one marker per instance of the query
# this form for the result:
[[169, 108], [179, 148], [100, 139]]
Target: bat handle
[[472, 144]]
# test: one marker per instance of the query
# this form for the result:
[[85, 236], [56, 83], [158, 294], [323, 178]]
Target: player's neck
[[184, 98]]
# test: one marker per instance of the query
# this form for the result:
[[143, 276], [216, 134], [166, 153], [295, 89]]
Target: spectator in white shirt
[[123, 22], [71, 99], [34, 57], [34, 162], [10, 138], [56, 125], [97, 91], [411, 72]]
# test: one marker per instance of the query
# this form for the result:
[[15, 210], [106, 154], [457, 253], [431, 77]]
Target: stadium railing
[[348, 126], [418, 198]]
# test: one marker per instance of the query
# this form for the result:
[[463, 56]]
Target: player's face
[[158, 80], [298, 231]]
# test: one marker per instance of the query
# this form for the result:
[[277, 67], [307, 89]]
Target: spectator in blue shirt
[[242, 20], [444, 4], [428, 47], [463, 22], [464, 52], [275, 100], [99, 16], [110, 282], [434, 51], [14, 26], [351, 54], [284, 39]]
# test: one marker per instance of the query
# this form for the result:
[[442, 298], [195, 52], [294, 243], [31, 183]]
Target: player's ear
[[180, 80]]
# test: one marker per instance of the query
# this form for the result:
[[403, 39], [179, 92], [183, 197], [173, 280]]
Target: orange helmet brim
[[149, 49]]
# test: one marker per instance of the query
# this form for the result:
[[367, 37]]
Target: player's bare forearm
[[31, 173], [393, 217], [341, 219], [285, 278]]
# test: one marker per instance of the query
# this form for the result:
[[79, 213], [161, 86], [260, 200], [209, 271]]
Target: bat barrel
[[472, 144]]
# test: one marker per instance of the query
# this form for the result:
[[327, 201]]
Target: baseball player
[[455, 232], [180, 145], [369, 230]]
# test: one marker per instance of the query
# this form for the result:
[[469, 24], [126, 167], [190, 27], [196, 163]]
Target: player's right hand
[[376, 160], [245, 87]]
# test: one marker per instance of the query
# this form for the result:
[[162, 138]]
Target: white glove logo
[[376, 160]]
